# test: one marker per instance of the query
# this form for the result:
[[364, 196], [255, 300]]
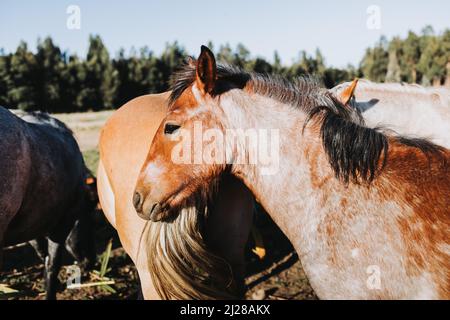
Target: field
[[86, 127], [278, 276]]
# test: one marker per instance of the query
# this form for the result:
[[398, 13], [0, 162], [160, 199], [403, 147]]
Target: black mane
[[354, 151]]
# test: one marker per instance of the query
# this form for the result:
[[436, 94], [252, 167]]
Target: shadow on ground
[[278, 276]]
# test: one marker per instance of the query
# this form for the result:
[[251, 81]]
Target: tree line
[[56, 81]]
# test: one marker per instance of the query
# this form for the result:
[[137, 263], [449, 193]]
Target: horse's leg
[[80, 242], [140, 293], [229, 225], [40, 246], [87, 224], [52, 267], [72, 243], [2, 232], [56, 241], [148, 290], [5, 218], [1, 253]]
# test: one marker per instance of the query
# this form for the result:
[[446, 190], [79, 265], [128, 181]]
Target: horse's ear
[[206, 71], [191, 62], [348, 93]]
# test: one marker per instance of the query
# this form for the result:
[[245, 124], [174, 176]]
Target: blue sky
[[338, 28]]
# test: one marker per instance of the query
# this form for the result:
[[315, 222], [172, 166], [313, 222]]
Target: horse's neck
[[340, 232], [302, 166], [313, 209]]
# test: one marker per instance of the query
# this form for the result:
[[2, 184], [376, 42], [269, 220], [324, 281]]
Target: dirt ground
[[278, 276]]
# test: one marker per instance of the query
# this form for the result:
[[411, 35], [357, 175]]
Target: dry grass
[[86, 127]]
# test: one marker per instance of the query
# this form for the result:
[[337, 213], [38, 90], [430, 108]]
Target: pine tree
[[260, 65], [225, 54], [72, 85], [320, 63], [277, 67], [242, 57], [162, 69], [100, 78], [446, 48], [5, 78], [58, 82], [24, 76], [393, 69], [51, 67], [375, 61], [410, 58], [433, 61]]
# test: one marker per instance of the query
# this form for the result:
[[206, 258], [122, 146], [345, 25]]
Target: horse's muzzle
[[138, 201], [147, 210], [155, 213]]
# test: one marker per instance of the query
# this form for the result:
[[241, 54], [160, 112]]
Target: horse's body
[[42, 189], [368, 213], [407, 109], [124, 144]]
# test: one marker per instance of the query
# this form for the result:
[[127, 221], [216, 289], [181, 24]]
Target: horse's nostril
[[137, 201]]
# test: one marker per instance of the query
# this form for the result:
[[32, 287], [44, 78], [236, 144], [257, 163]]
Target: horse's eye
[[170, 128]]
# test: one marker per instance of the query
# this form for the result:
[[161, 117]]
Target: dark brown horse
[[42, 187]]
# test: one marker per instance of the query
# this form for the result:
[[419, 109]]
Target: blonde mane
[[181, 264]]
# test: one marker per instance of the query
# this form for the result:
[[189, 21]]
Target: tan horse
[[367, 212], [174, 260]]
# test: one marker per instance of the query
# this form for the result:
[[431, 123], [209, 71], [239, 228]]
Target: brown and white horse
[[408, 109], [367, 212], [180, 259]]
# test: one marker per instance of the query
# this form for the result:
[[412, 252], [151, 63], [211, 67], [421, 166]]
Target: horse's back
[[54, 149], [14, 167], [124, 143], [55, 142], [408, 109]]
